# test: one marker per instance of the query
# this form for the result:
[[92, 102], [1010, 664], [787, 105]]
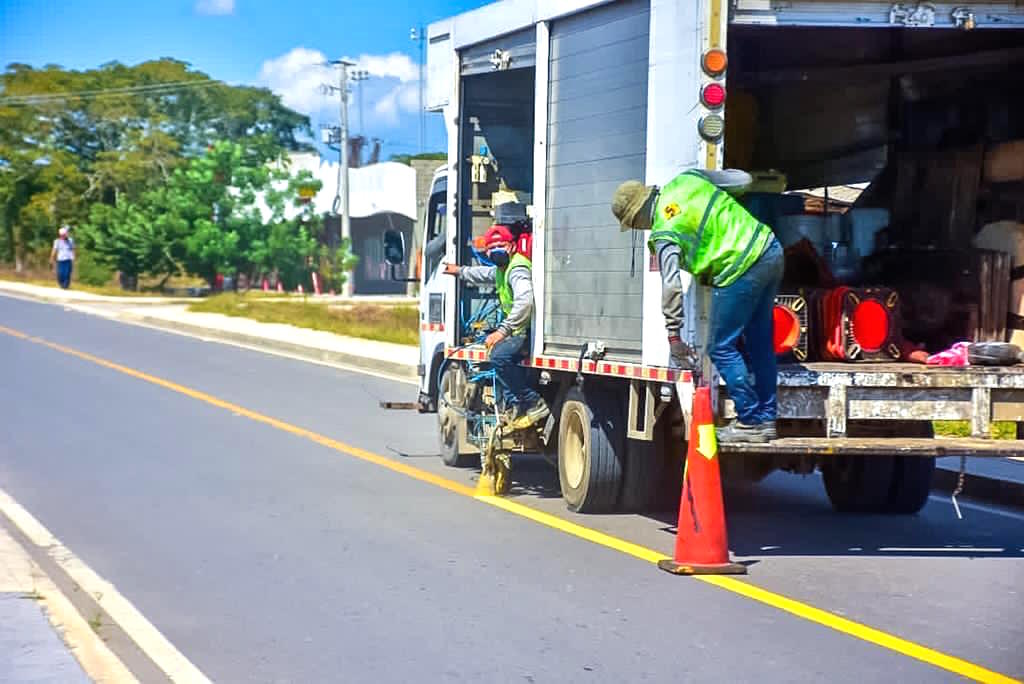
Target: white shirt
[[65, 248]]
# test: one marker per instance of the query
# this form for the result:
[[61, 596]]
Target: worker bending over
[[698, 227]]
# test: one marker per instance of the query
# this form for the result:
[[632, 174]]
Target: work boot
[[737, 431], [531, 416]]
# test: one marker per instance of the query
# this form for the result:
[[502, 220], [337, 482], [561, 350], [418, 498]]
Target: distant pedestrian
[[64, 254]]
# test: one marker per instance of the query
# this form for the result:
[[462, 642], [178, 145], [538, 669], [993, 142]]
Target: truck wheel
[[451, 399], [590, 444], [641, 481], [911, 484], [858, 484], [912, 475]]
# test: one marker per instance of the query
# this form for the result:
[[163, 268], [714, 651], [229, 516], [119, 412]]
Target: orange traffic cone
[[702, 545]]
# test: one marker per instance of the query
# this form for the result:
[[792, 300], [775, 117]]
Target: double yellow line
[[743, 588]]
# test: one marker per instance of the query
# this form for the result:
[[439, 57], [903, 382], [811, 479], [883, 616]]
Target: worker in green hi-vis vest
[[697, 226], [512, 277]]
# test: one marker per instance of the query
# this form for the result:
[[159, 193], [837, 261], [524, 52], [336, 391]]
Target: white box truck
[[556, 102]]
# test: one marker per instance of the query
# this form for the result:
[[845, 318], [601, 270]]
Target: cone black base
[[669, 565]]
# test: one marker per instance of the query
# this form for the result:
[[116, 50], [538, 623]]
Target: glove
[[680, 353]]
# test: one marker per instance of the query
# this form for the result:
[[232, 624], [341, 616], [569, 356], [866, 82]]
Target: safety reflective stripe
[[606, 368], [724, 275], [703, 224]]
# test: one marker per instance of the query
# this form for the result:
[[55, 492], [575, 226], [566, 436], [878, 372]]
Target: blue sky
[[264, 42]]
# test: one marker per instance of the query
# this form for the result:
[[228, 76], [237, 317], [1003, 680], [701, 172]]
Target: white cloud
[[215, 6], [297, 77], [394, 65], [392, 90]]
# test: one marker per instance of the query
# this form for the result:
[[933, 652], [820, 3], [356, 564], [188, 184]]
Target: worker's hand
[[451, 269], [680, 353], [493, 339]]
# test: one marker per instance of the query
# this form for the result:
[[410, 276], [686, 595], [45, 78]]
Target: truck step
[[878, 446]]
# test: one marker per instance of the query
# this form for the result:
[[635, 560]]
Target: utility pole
[[419, 35], [341, 198]]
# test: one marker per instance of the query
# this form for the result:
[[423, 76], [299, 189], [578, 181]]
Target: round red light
[[870, 322], [787, 329], [713, 95]]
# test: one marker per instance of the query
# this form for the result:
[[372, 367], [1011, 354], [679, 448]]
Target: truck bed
[[899, 375], [873, 446], [841, 392]]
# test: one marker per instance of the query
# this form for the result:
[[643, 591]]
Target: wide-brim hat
[[630, 199]]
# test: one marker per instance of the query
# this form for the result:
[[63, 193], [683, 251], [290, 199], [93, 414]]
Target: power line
[[151, 89]]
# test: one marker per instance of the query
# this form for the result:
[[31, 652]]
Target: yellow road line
[[743, 588]]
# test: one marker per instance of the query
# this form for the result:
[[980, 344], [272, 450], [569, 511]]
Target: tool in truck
[[696, 226], [558, 102]]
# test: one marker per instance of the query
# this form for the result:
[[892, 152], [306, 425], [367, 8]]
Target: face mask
[[499, 257]]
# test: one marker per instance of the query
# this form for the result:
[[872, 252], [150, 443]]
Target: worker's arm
[[671, 285], [475, 275], [53, 253], [521, 282]]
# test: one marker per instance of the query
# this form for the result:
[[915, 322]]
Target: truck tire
[[591, 437], [450, 394], [912, 475], [911, 484], [642, 476], [858, 484]]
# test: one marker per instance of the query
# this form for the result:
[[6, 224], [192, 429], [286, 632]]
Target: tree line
[[160, 171]]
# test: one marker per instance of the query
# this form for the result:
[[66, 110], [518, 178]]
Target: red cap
[[497, 234]]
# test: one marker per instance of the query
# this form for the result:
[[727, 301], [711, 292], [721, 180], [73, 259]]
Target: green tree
[[71, 139], [224, 212]]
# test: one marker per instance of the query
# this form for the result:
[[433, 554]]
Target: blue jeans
[[744, 310], [505, 357], [64, 273]]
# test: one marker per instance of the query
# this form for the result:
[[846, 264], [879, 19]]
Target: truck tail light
[[711, 127], [714, 62], [713, 95]]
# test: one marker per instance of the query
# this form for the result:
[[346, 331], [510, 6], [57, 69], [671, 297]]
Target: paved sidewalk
[[31, 650], [58, 296]]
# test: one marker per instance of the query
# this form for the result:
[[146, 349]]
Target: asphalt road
[[266, 557]]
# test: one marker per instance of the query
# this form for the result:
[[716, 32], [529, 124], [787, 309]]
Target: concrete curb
[[399, 370], [987, 489], [94, 299]]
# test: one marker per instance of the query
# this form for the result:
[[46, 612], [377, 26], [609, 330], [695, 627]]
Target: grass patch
[[398, 324], [962, 428]]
